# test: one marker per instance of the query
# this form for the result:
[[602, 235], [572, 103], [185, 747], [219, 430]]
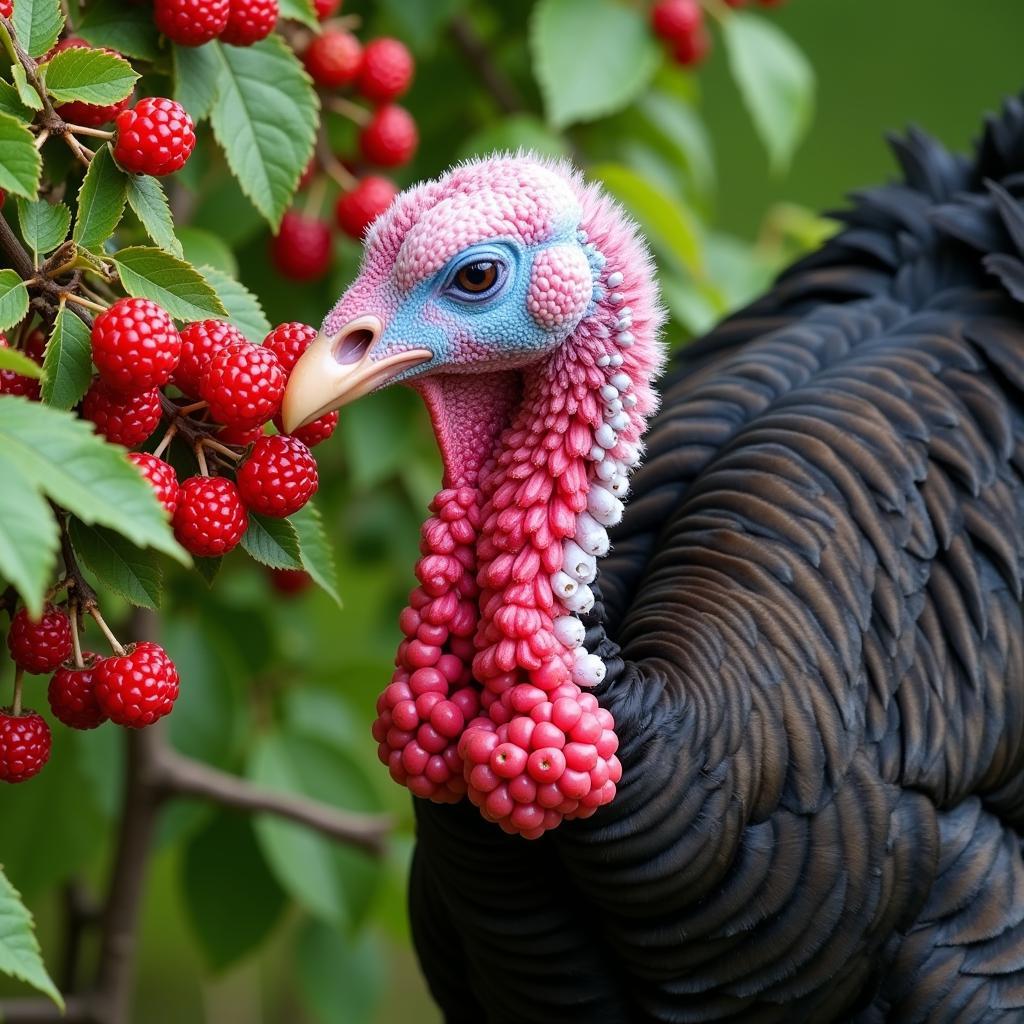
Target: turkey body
[[812, 621]]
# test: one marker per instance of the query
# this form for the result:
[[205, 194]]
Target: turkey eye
[[477, 278]]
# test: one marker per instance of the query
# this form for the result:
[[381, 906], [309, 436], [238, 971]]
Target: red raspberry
[[240, 437], [12, 383], [41, 646], [161, 477], [191, 22], [289, 582], [88, 114], [386, 71], [200, 342], [34, 346], [244, 385], [211, 518], [391, 138], [7, 8], [25, 740], [313, 433], [3, 194], [288, 342], [333, 59], [358, 209], [122, 419], [326, 8], [673, 19], [301, 249], [250, 21], [135, 346], [690, 50], [138, 687], [155, 137], [72, 696], [279, 477]]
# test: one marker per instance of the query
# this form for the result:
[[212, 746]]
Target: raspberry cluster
[[680, 23], [195, 22], [91, 115]]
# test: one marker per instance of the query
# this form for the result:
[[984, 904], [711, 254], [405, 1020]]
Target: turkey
[[751, 749]]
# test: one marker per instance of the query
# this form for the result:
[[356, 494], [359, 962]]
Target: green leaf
[[205, 249], [681, 126], [154, 274], [341, 979], [232, 899], [20, 956], [776, 81], [68, 362], [13, 299], [208, 568], [149, 202], [591, 58], [20, 164], [330, 880], [244, 309], [301, 11], [93, 480], [12, 359], [101, 200], [197, 72], [272, 542], [26, 94], [37, 24], [89, 76], [10, 103], [127, 28], [265, 120], [43, 226], [314, 549], [421, 23], [119, 565]]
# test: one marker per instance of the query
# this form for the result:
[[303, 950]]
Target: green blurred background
[[262, 922]]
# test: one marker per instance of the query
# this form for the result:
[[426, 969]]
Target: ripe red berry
[[326, 8], [279, 477], [200, 342], [7, 8], [301, 249], [690, 50], [40, 647], [386, 71], [89, 114], [122, 419], [390, 138], [250, 21], [136, 688], [244, 385], [672, 19], [161, 477], [25, 742], [210, 519], [313, 433], [12, 383], [34, 346], [135, 346], [72, 695], [333, 59], [290, 581], [358, 209], [240, 437], [155, 137], [191, 22], [288, 342]]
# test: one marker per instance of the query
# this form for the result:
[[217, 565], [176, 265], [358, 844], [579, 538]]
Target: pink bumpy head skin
[[561, 286]]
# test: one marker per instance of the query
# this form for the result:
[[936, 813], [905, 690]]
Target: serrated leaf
[[118, 564], [301, 11], [154, 274], [197, 78], [265, 118], [208, 568], [90, 76], [127, 28], [244, 309], [81, 472], [205, 249], [101, 200], [43, 226], [26, 94], [272, 542], [20, 164], [11, 104], [149, 202], [12, 359], [20, 956], [591, 58], [37, 24], [314, 549], [68, 362], [776, 81], [13, 299]]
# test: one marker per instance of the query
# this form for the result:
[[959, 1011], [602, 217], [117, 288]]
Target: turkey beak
[[339, 368]]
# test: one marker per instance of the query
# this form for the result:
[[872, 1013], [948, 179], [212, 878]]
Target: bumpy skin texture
[[278, 477], [161, 477], [122, 419], [138, 688], [72, 695], [249, 21], [25, 743], [243, 385], [135, 346], [200, 342], [191, 22], [817, 671], [155, 137], [40, 647], [210, 519]]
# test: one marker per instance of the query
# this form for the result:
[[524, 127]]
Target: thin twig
[[332, 166], [115, 644], [359, 115], [209, 442], [165, 442], [81, 129], [19, 679], [87, 303], [76, 640]]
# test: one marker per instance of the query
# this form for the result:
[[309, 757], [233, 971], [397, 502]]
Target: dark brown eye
[[475, 278]]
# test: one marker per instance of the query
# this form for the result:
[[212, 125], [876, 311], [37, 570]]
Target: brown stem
[[76, 640], [474, 49], [15, 251], [355, 113], [84, 595], [332, 166], [81, 911], [19, 680], [115, 644], [80, 1010]]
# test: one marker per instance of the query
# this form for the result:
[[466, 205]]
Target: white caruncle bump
[[563, 585], [619, 421], [609, 392], [588, 670], [604, 506], [625, 339], [618, 484], [615, 298], [569, 631], [620, 381], [615, 360], [605, 436], [615, 279], [580, 601], [591, 535], [606, 469], [630, 454], [604, 360], [629, 401], [579, 564], [613, 409], [597, 453]]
